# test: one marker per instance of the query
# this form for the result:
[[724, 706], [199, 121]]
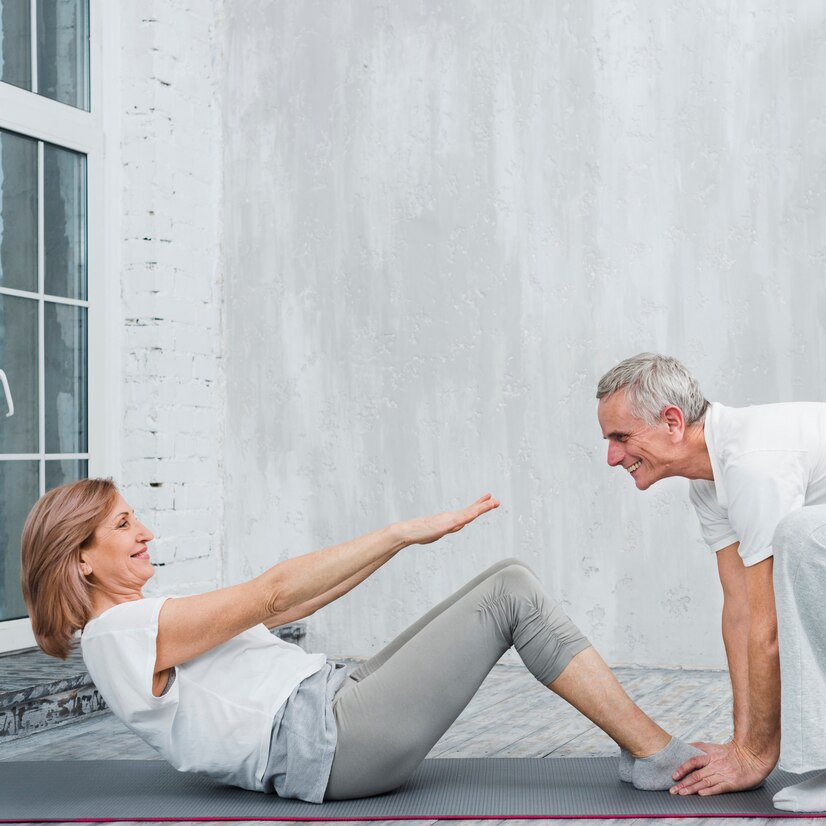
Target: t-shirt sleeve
[[714, 523], [119, 649], [763, 487]]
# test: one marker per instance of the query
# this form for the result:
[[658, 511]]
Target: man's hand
[[723, 768]]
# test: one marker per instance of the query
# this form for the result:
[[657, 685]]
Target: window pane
[[16, 43], [63, 51], [18, 492], [62, 471], [18, 212], [64, 222], [18, 359], [66, 380]]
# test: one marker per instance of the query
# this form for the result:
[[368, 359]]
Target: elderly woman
[[203, 681]]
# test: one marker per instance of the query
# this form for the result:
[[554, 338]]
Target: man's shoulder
[[782, 426], [773, 410]]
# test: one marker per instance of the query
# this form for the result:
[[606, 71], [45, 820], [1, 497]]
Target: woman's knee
[[504, 563], [518, 579]]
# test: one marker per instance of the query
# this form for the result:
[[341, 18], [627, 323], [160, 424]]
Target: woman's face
[[117, 561]]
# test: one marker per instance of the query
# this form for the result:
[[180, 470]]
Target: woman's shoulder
[[133, 614]]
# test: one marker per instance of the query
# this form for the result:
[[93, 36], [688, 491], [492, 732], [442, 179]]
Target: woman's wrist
[[397, 536]]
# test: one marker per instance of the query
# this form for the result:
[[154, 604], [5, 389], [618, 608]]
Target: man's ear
[[673, 418]]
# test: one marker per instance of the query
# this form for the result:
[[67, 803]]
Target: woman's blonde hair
[[59, 526]]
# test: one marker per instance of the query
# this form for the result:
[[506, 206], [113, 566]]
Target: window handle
[[7, 392]]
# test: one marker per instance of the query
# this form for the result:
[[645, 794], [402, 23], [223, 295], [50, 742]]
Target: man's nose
[[615, 454]]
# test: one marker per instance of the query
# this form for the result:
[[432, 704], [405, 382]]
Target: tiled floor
[[511, 716]]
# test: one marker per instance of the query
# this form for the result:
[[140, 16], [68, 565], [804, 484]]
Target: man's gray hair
[[653, 382]]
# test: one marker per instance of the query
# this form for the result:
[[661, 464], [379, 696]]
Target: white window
[[53, 293]]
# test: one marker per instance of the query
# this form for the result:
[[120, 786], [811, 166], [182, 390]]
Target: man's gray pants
[[800, 594], [394, 708]]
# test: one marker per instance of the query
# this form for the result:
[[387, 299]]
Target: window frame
[[96, 135]]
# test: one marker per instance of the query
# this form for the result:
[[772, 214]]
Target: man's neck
[[696, 462]]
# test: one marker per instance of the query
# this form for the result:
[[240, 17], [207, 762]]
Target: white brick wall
[[171, 279]]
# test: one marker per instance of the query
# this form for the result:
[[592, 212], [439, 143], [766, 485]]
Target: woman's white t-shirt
[[216, 719]]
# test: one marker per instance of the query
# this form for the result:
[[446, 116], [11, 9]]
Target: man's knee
[[798, 529], [799, 534]]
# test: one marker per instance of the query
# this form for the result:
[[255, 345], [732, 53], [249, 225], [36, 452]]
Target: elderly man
[[758, 485]]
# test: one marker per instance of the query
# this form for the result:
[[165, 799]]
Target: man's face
[[646, 451]]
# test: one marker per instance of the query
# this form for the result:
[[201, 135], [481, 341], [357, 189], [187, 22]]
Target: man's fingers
[[720, 787], [693, 784], [690, 765], [690, 785]]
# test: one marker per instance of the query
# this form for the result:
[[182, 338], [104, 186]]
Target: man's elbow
[[763, 634], [737, 615]]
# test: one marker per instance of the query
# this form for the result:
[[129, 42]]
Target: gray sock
[[626, 766], [654, 773]]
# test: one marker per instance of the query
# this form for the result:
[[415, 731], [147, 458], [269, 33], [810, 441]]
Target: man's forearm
[[736, 640], [736, 624], [763, 735]]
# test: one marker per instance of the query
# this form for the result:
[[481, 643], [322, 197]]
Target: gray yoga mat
[[460, 788]]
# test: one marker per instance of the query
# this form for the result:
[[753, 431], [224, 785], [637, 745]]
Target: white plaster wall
[[168, 139], [444, 221]]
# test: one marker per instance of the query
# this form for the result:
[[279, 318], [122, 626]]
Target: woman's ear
[[85, 567]]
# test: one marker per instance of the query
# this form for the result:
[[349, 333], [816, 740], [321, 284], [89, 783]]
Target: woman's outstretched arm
[[309, 607], [416, 531], [189, 626]]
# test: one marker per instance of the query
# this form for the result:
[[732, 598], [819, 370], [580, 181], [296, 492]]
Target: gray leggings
[[393, 709]]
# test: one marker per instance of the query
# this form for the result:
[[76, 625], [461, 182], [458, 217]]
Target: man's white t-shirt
[[216, 719], [767, 461]]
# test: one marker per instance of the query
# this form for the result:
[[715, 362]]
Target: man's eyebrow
[[616, 434]]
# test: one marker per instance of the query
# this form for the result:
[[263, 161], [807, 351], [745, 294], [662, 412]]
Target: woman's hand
[[426, 529]]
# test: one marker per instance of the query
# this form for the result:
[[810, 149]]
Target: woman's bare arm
[[189, 626], [308, 608]]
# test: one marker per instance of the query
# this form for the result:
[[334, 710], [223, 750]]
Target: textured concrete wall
[[443, 222], [169, 142]]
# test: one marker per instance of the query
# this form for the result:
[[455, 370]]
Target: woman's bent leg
[[390, 718], [375, 662]]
